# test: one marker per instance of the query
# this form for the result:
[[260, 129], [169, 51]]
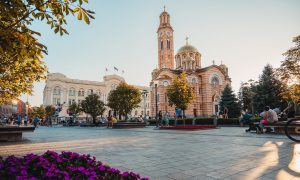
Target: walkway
[[225, 153]]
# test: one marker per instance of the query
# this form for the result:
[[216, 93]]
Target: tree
[[289, 70], [292, 93], [246, 94], [49, 111], [39, 112], [74, 109], [268, 90], [229, 100], [124, 99], [180, 93], [93, 106], [20, 51]]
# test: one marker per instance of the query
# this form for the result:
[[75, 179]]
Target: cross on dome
[[187, 40]]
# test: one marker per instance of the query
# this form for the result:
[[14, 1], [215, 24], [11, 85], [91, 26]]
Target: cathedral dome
[[187, 48]]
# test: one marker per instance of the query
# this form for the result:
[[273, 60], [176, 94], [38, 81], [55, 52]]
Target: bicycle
[[292, 129]]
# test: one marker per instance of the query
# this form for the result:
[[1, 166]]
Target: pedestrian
[[19, 119], [158, 122], [25, 120], [113, 120], [109, 121], [36, 121], [225, 112]]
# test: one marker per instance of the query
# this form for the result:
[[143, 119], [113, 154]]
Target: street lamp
[[252, 95], [156, 99], [144, 94]]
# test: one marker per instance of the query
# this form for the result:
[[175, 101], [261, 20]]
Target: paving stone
[[224, 153]]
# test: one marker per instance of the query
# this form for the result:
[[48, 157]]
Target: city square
[[139, 90], [225, 153]]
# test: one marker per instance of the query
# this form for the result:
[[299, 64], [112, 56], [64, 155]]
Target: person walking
[[36, 121], [19, 119], [109, 121], [225, 112], [158, 122], [25, 120]]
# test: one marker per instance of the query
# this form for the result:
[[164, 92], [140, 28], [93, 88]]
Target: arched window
[[215, 81], [90, 91], [168, 44], [56, 91], [194, 81], [113, 86], [71, 92], [98, 92], [81, 92]]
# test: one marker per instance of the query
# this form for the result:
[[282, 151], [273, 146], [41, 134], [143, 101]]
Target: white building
[[60, 89]]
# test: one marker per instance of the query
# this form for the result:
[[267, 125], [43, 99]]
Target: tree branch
[[27, 14]]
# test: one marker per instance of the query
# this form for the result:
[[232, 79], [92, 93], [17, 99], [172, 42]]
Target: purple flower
[[125, 174], [67, 166]]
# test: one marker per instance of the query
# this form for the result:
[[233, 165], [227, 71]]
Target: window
[[194, 81], [89, 92], [168, 44], [81, 92], [161, 45], [98, 92], [56, 91], [72, 92], [56, 101], [215, 81]]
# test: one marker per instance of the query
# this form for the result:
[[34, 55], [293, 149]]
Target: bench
[[14, 133], [279, 127], [120, 125]]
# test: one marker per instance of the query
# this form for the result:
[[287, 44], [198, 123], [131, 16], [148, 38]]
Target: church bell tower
[[165, 42]]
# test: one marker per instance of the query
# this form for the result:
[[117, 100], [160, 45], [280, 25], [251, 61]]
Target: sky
[[243, 34]]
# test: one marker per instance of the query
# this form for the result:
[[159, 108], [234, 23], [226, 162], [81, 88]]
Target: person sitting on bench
[[269, 117]]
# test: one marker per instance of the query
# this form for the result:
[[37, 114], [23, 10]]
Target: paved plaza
[[225, 153]]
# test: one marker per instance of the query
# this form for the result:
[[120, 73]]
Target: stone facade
[[60, 89], [207, 83]]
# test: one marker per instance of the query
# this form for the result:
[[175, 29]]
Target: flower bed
[[67, 165]]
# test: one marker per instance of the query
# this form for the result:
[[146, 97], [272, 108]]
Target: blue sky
[[244, 34]]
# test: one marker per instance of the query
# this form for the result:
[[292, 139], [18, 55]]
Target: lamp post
[[144, 94], [156, 100], [252, 94]]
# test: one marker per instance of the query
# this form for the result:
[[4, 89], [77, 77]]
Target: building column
[[51, 97]]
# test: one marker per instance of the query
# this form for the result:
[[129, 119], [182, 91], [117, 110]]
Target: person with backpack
[[269, 117]]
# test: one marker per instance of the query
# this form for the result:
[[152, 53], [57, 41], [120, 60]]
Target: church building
[[207, 82]]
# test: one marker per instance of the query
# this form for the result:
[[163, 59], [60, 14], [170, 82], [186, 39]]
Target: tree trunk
[[120, 116], [183, 115], [94, 120]]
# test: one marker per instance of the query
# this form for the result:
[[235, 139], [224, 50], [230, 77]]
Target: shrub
[[67, 165], [151, 122], [172, 122], [229, 121], [204, 121]]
